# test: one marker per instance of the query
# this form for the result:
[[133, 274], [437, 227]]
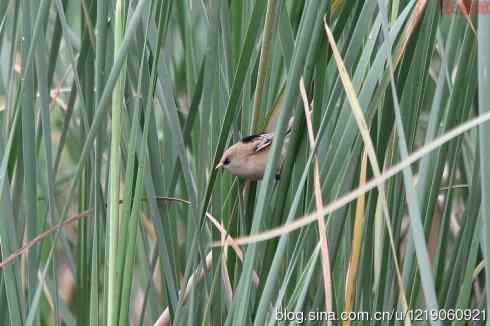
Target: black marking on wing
[[264, 141], [252, 138]]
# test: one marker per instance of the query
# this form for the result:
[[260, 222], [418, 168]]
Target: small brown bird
[[248, 157]]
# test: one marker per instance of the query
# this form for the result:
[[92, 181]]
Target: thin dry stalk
[[322, 230], [412, 24], [43, 235], [356, 243], [224, 271]]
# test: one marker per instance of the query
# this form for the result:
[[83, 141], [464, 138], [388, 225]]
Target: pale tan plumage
[[248, 158]]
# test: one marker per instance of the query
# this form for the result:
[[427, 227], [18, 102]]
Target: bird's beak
[[219, 166]]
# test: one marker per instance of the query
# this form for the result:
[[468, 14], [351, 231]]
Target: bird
[[248, 157]]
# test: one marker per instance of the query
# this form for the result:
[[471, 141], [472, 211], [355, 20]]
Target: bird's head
[[235, 157], [227, 161]]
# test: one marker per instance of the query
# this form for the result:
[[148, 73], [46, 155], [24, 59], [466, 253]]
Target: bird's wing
[[264, 142], [261, 141]]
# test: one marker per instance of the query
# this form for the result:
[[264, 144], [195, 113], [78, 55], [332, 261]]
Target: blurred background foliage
[[114, 113]]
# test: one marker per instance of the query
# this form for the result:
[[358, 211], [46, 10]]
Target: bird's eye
[[226, 161]]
